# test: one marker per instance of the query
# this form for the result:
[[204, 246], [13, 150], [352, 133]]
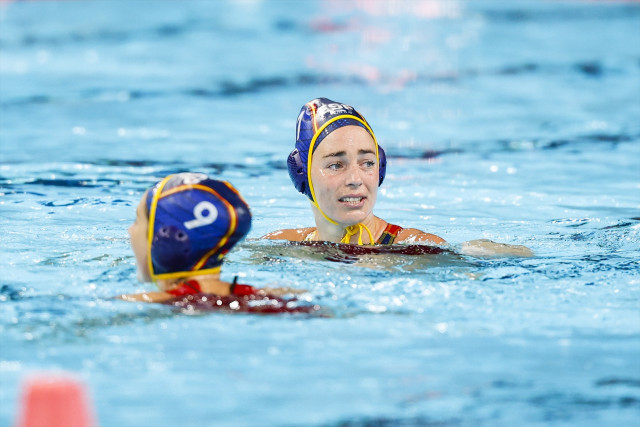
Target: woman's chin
[[350, 219]]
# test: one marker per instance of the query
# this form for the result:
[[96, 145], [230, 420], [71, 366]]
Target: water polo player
[[338, 164], [184, 226]]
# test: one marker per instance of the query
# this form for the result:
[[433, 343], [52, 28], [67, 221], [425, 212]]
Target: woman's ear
[[382, 165], [298, 173]]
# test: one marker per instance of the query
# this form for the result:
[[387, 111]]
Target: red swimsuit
[[244, 298], [192, 287]]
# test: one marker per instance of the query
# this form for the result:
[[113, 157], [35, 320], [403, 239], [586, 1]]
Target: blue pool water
[[517, 122]]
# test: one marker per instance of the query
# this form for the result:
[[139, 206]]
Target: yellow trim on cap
[[152, 219], [184, 187], [182, 274], [232, 229]]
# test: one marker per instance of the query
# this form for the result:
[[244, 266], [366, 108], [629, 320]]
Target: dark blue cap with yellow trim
[[193, 222], [312, 119]]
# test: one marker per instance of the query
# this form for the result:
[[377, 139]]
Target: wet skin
[[344, 174], [138, 235]]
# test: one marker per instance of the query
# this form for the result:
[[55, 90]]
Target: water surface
[[516, 122]]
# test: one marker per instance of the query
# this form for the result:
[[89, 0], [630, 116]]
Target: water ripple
[[229, 88]]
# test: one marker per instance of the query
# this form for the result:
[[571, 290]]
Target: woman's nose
[[354, 176]]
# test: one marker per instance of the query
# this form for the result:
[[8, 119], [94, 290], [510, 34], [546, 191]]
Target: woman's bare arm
[[154, 296], [477, 248], [291, 234], [413, 235], [488, 248]]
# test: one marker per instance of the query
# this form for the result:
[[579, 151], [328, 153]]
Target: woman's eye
[[335, 166], [369, 164]]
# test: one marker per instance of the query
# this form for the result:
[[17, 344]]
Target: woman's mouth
[[352, 201]]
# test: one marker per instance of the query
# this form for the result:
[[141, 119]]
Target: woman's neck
[[209, 284], [328, 232]]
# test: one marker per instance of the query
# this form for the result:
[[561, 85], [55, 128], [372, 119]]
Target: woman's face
[[344, 173], [138, 235]]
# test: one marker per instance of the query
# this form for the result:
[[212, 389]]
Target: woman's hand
[[279, 292], [156, 296]]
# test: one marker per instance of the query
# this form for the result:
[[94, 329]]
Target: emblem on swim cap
[[193, 222], [317, 119]]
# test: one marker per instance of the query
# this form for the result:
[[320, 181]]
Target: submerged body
[[189, 296], [383, 234]]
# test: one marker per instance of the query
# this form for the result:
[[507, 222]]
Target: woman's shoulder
[[291, 234], [413, 235]]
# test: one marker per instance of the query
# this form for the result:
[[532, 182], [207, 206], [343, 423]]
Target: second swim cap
[[193, 222], [317, 119]]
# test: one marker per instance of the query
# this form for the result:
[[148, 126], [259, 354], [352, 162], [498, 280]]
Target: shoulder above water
[[413, 235], [290, 234], [406, 235]]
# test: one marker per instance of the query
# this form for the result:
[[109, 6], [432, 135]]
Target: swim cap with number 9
[[194, 221]]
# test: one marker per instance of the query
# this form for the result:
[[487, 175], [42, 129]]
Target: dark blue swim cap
[[317, 119], [193, 222]]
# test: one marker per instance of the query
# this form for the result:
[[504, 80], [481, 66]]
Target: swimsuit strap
[[190, 287], [351, 231], [389, 234], [241, 290], [233, 284]]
